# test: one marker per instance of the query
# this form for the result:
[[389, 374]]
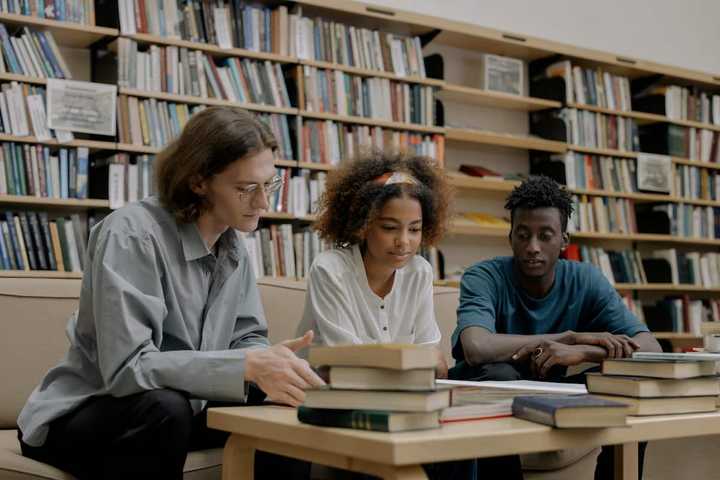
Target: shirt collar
[[194, 246]]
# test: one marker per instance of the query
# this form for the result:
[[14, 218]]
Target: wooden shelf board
[[210, 48], [66, 34], [675, 336], [664, 287], [478, 96], [372, 73], [460, 180], [316, 166], [279, 162], [462, 228], [39, 274], [645, 197], [645, 117], [287, 216], [91, 144], [129, 147], [504, 140], [644, 237], [14, 77], [695, 163], [206, 101], [602, 151], [53, 202], [371, 122]]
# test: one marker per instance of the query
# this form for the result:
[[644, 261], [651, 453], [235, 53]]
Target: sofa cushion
[[36, 311], [199, 465]]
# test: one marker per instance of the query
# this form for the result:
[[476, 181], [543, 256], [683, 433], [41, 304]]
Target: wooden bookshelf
[[45, 202], [171, 97], [608, 152], [467, 228], [39, 274], [503, 140], [665, 287], [414, 127], [68, 34], [14, 77], [93, 145], [640, 197], [675, 336], [287, 216], [467, 182], [695, 163], [644, 117], [132, 148], [209, 48], [316, 166], [486, 98], [363, 72]]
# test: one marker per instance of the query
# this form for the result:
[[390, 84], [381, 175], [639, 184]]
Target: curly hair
[[352, 200], [540, 192]]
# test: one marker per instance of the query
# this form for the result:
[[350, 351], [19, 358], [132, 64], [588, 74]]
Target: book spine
[[356, 419], [532, 413]]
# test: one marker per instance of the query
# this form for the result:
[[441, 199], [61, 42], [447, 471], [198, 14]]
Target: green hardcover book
[[378, 420], [64, 247]]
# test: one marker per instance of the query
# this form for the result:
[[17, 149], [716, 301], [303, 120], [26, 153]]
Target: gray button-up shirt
[[157, 310]]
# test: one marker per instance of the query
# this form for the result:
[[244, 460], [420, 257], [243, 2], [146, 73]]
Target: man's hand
[[441, 368], [617, 346], [547, 354], [279, 373]]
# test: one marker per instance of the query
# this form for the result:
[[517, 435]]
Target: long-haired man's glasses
[[269, 187]]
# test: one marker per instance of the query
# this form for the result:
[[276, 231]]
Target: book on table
[[688, 356], [385, 355], [648, 387], [410, 401], [570, 411], [646, 367], [666, 405], [362, 378], [377, 420]]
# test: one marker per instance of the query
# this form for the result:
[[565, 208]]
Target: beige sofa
[[35, 312]]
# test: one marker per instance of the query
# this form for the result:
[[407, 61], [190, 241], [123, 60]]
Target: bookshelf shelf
[[645, 117], [665, 287], [463, 228], [503, 140], [459, 180], [602, 151], [645, 237], [286, 163], [645, 197], [39, 274], [372, 73], [316, 166], [206, 101], [129, 147], [287, 216], [91, 144], [70, 203], [214, 50], [478, 96], [695, 163], [675, 336], [14, 77], [371, 122], [67, 34]]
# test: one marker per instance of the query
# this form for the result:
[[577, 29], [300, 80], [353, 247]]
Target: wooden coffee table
[[400, 455]]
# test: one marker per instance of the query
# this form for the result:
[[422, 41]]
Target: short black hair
[[540, 192]]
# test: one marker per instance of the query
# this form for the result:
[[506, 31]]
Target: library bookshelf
[[444, 33]]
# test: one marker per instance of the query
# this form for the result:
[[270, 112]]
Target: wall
[[681, 33]]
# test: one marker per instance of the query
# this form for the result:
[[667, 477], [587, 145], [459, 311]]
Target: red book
[[572, 252], [478, 171]]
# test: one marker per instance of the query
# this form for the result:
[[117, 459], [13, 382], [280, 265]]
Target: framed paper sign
[[81, 106], [654, 172]]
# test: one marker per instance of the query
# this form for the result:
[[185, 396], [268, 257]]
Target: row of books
[[31, 52], [625, 266], [300, 193], [36, 170], [181, 71], [22, 113], [691, 268], [690, 220], [122, 178], [597, 130], [587, 86], [342, 93], [603, 215], [680, 314], [679, 103], [76, 11], [233, 24], [31, 241], [697, 183], [686, 142], [150, 121], [596, 172], [278, 251], [229, 24], [331, 142]]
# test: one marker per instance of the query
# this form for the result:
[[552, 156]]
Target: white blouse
[[341, 308]]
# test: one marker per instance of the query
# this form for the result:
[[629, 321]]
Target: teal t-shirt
[[581, 299]]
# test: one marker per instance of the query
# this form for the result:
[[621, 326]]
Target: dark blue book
[[570, 411]]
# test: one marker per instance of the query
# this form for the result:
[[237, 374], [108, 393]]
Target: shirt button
[[385, 329], [382, 307]]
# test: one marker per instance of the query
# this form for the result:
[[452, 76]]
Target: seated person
[[530, 316], [170, 318], [373, 287]]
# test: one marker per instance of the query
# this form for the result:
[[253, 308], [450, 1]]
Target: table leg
[[626, 461], [238, 458]]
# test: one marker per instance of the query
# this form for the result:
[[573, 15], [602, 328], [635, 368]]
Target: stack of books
[[385, 387], [658, 384]]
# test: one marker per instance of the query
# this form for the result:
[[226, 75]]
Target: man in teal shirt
[[532, 315]]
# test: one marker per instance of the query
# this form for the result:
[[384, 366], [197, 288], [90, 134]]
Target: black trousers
[[506, 371], [146, 435]]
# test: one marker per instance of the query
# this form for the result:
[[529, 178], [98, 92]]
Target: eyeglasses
[[269, 187]]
